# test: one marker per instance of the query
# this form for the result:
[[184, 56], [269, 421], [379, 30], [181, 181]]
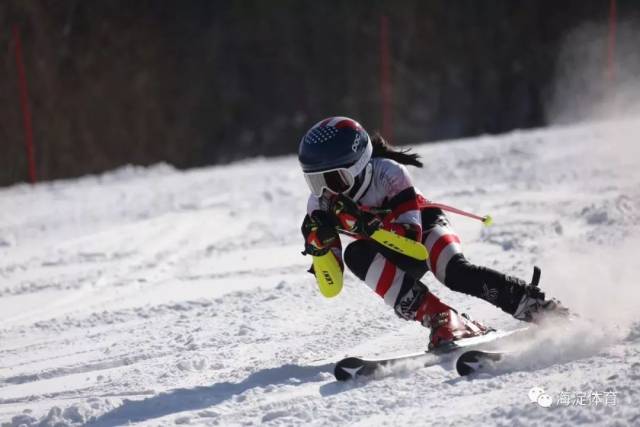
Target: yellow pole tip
[[487, 220]]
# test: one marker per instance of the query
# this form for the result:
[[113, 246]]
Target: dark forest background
[[197, 82]]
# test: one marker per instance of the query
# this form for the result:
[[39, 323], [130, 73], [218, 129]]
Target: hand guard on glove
[[353, 219], [319, 231]]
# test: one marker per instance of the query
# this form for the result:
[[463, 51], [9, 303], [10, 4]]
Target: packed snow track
[[151, 296]]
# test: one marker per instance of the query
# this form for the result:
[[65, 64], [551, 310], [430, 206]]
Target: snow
[[154, 296]]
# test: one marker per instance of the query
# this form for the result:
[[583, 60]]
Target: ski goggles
[[336, 181]]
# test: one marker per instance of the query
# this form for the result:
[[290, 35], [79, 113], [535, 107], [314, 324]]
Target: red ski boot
[[445, 323]]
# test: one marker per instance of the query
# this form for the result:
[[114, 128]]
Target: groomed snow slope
[[161, 297]]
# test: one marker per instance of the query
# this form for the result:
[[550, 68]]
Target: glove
[[319, 233], [352, 218]]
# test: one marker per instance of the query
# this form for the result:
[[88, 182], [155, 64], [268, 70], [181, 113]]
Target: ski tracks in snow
[[159, 297]]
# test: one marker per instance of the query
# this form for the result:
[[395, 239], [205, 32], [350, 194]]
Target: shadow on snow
[[202, 397]]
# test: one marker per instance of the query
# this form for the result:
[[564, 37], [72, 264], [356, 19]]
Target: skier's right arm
[[320, 234]]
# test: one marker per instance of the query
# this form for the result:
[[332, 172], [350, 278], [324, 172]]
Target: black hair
[[382, 149]]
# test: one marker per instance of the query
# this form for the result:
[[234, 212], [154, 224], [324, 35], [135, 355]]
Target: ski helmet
[[333, 153]]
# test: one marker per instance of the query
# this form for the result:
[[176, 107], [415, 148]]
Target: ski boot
[[446, 324]]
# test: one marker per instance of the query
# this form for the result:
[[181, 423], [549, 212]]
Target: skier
[[359, 184]]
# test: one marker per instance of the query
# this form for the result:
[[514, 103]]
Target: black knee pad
[[358, 256], [432, 217]]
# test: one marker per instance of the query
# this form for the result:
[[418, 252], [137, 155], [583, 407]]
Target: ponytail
[[382, 149]]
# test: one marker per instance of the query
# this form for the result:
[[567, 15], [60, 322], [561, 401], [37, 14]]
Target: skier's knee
[[358, 256]]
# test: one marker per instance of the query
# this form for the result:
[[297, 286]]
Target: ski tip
[[348, 368], [473, 361]]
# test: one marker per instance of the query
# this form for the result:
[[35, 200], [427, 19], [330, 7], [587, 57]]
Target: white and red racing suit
[[387, 188]]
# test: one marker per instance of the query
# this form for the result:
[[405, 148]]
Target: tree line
[[200, 82]]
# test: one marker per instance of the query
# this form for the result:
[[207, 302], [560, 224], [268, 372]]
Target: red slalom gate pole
[[385, 79], [24, 104], [611, 46]]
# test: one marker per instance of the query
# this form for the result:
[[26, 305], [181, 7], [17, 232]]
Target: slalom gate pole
[[385, 79], [24, 103], [611, 45]]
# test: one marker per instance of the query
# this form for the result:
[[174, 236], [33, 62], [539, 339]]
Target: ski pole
[[486, 220]]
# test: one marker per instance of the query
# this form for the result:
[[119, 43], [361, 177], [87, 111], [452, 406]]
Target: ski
[[356, 367], [477, 361]]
